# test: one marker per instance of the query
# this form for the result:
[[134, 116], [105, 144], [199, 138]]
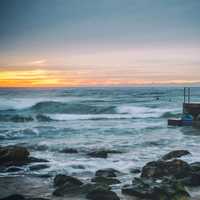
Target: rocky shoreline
[[169, 178]]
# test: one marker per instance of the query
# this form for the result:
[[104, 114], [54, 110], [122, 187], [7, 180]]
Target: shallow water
[[133, 120]]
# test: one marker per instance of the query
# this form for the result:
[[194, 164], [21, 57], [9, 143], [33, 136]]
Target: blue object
[[187, 120]]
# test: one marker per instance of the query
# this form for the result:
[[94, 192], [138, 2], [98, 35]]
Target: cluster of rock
[[97, 189], [165, 178]]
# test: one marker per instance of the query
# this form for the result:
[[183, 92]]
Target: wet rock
[[108, 172], [98, 154], [135, 170], [13, 155], [38, 199], [35, 160], [112, 151], [62, 179], [102, 194], [160, 168], [43, 118], [14, 169], [77, 190], [38, 167], [69, 150], [192, 180], [105, 180], [77, 166], [195, 166], [18, 118], [166, 189], [14, 197], [175, 154]]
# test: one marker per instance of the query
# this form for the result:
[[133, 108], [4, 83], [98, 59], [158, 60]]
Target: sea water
[[131, 120]]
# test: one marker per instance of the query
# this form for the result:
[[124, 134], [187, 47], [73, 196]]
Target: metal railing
[[187, 94]]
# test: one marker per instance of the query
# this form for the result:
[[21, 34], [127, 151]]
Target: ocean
[[128, 119]]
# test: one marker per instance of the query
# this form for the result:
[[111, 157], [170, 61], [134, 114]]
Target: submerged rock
[[135, 170], [105, 180], [103, 153], [166, 189], [38, 167], [14, 169], [69, 150], [98, 154], [35, 160], [160, 168], [107, 172], [175, 154], [101, 193], [43, 118]]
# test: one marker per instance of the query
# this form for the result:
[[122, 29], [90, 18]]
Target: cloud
[[38, 62]]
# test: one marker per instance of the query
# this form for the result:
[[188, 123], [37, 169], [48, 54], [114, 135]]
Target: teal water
[[133, 120]]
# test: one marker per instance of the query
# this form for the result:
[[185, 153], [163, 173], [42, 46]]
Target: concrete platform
[[192, 109]]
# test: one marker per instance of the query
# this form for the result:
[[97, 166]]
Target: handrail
[[187, 94]]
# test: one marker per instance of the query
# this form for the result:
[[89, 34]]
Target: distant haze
[[58, 43]]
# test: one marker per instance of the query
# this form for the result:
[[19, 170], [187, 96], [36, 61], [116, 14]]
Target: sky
[[66, 43]]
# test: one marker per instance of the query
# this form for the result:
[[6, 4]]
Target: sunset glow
[[94, 45]]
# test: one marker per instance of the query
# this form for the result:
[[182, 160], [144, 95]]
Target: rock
[[192, 180], [166, 189], [108, 172], [105, 180], [102, 194], [13, 155], [77, 190], [14, 197], [98, 154], [195, 166], [38, 199], [175, 154], [18, 118], [69, 150], [38, 167], [160, 168], [112, 151], [35, 160], [135, 171], [14, 169], [62, 179], [43, 118]]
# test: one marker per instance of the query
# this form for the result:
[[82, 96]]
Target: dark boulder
[[62, 179], [107, 172], [192, 180], [69, 150], [14, 197], [77, 190], [105, 180], [175, 154], [166, 189], [13, 155], [102, 194], [160, 168]]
